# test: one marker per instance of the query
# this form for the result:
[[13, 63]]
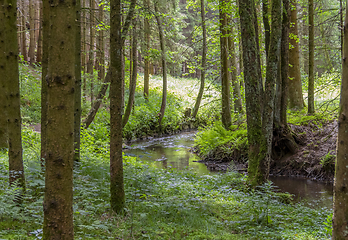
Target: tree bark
[[16, 169], [340, 214], [101, 53], [265, 17], [84, 51], [44, 65], [77, 96], [147, 33], [116, 163], [90, 66], [58, 199], [204, 60], [3, 96], [225, 80], [295, 86], [39, 42], [311, 109], [253, 94], [32, 42], [237, 99], [164, 65], [24, 51], [133, 82]]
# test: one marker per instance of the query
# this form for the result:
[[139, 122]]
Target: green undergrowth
[[160, 203]]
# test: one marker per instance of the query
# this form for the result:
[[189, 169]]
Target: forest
[[173, 119]]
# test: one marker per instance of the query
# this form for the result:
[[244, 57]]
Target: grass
[[160, 203]]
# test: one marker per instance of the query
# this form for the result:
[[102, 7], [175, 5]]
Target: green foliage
[[219, 143], [328, 162]]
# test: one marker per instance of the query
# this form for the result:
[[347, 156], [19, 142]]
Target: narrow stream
[[173, 151]]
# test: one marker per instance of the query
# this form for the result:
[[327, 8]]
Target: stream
[[173, 151]]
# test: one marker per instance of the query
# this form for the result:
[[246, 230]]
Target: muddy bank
[[314, 158]]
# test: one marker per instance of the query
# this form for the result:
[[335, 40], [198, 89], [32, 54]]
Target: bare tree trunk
[[225, 80], [132, 83], [77, 95], [32, 43], [204, 60], [84, 51], [58, 199], [147, 49], [237, 99], [11, 82], [340, 214], [90, 66], [24, 51], [100, 63], [164, 65], [39, 41], [311, 109], [295, 86]]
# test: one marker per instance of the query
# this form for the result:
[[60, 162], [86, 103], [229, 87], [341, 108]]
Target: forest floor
[[313, 159]]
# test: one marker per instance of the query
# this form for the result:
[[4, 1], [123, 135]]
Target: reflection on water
[[170, 151], [173, 151], [315, 193]]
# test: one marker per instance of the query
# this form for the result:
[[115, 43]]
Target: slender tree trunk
[[32, 31], [204, 60], [58, 199], [340, 214], [100, 59], [147, 49], [90, 66], [77, 95], [24, 51], [271, 75], [253, 94], [311, 109], [39, 42], [225, 81], [132, 83], [16, 169], [164, 65], [237, 99], [44, 65], [84, 51], [265, 17], [295, 86]]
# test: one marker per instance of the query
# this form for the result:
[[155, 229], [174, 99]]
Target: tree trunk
[[90, 66], [39, 42], [101, 59], [77, 95], [237, 99], [311, 109], [253, 94], [58, 199], [271, 75], [295, 85], [265, 17], [32, 31], [164, 66], [340, 214], [44, 65], [24, 51], [3, 96], [16, 169], [84, 51], [147, 33], [133, 82], [225, 81], [204, 60]]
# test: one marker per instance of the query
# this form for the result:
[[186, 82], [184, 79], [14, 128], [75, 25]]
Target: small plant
[[328, 225], [328, 162]]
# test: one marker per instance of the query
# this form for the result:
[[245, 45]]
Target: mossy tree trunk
[[147, 33], [3, 97], [311, 109], [16, 169], [265, 18], [133, 81], [295, 86], [204, 59], [253, 94], [58, 199], [77, 109], [225, 80], [164, 64], [271, 75], [340, 215]]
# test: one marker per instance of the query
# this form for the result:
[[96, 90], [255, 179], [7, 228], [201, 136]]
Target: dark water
[[173, 151]]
